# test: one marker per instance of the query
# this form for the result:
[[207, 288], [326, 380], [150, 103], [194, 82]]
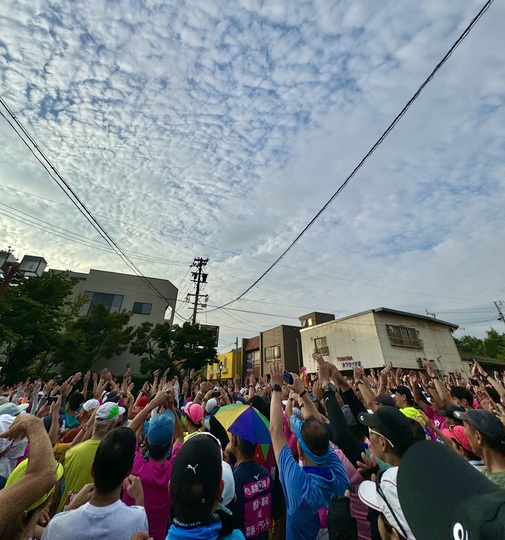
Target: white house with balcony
[[374, 338]]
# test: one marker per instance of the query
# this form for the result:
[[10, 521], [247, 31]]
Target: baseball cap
[[12, 409], [211, 405], [487, 424], [385, 500], [443, 496], [161, 429], [4, 400], [449, 411], [385, 399], [196, 476], [108, 412], [113, 396], [142, 402], [390, 422], [229, 484], [91, 405], [458, 434], [404, 391], [194, 412], [19, 472]]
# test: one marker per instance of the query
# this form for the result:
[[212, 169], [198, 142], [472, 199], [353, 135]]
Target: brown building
[[282, 344]]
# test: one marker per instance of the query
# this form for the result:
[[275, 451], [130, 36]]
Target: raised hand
[[367, 464]]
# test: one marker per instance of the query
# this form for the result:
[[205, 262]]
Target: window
[[321, 346], [272, 353], [142, 308], [111, 301], [404, 336]]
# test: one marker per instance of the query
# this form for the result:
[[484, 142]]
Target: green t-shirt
[[77, 468], [497, 478]]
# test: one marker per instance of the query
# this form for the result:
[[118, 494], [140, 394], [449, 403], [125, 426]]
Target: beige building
[[120, 292], [374, 338]]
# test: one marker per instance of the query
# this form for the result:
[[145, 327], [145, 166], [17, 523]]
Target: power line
[[372, 150], [70, 193]]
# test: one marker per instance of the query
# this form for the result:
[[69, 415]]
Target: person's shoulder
[[236, 534]]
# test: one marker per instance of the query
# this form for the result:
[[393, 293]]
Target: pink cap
[[458, 434], [194, 412]]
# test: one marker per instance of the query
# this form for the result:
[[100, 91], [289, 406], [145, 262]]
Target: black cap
[[385, 399], [442, 496], [195, 478], [404, 391], [449, 411], [487, 424], [112, 396], [390, 422]]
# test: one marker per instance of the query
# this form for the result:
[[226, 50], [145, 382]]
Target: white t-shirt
[[114, 522]]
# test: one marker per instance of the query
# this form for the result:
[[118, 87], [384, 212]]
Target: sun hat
[[13, 409], [19, 472]]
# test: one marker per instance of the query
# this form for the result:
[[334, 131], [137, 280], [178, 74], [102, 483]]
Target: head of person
[[194, 414], [261, 404], [159, 435], [106, 419], [460, 442], [391, 433], [462, 397], [404, 397], [448, 413], [243, 449], [196, 483], [113, 460], [74, 402], [313, 440], [385, 400], [484, 430]]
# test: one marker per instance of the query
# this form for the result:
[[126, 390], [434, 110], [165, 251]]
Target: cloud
[[220, 129]]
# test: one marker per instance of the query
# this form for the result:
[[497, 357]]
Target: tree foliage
[[493, 345], [161, 346], [32, 315], [40, 329]]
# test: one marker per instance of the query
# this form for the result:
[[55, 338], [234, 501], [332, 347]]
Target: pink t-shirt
[[155, 476], [437, 419]]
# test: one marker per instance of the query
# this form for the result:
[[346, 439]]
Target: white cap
[[229, 485], [368, 494], [210, 405], [91, 405]]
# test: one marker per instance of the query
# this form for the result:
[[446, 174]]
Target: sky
[[219, 129]]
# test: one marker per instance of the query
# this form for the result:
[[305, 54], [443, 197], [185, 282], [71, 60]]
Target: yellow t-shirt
[[78, 462]]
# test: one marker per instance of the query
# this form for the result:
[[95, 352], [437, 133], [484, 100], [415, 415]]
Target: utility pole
[[237, 363], [199, 278], [501, 317]]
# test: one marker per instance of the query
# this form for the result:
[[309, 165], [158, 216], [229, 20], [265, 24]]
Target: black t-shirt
[[253, 487]]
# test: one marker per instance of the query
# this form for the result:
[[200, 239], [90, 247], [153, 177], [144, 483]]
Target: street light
[[220, 366], [30, 266]]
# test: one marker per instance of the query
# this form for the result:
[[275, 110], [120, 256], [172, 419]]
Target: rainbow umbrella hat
[[245, 421]]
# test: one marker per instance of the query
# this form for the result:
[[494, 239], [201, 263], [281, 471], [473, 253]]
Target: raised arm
[[276, 418], [40, 474]]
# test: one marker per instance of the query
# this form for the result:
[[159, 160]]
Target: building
[[281, 344], [120, 292], [374, 338], [252, 356], [227, 365]]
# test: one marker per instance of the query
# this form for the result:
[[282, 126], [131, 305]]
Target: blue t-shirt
[[209, 531], [307, 490]]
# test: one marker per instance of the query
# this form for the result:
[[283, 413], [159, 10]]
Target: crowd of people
[[381, 454]]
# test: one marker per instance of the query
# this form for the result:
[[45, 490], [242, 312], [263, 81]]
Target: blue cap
[[161, 429]]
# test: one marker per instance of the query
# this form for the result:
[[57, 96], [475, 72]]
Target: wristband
[[303, 393], [277, 388]]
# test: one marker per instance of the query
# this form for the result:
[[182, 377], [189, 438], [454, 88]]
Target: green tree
[[90, 338], [493, 345], [32, 316], [161, 346]]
